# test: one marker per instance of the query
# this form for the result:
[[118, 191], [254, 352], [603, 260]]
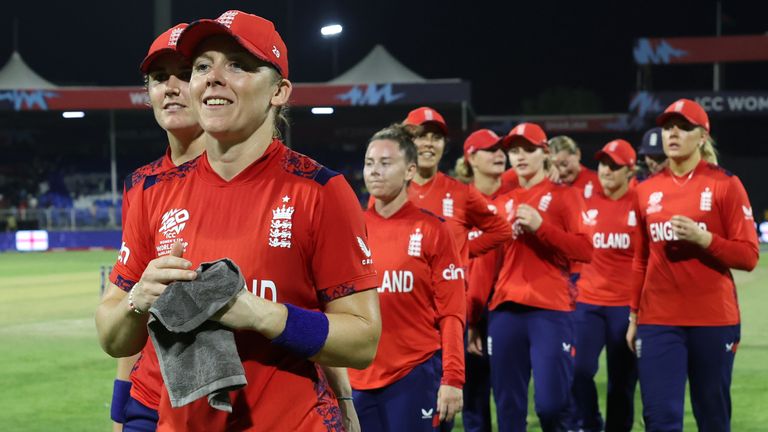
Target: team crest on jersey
[[588, 189], [654, 202], [280, 228], [632, 218], [173, 222], [448, 205], [545, 201], [414, 243], [705, 203], [589, 217]]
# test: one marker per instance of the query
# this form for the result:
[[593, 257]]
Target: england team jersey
[[676, 282], [464, 208], [535, 267], [157, 166], [611, 225], [297, 233], [421, 293], [587, 182]]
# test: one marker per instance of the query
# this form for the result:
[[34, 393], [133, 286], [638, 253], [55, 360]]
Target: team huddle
[[442, 292]]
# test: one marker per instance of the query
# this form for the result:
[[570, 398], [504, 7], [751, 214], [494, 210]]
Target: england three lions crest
[[280, 228]]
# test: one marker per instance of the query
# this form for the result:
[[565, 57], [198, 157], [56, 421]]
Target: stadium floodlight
[[331, 30], [72, 114], [322, 110]]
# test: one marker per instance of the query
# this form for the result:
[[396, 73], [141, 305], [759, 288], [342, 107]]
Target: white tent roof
[[379, 66], [16, 75]]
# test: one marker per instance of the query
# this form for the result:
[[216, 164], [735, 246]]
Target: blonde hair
[[280, 121], [463, 170], [563, 143], [708, 150]]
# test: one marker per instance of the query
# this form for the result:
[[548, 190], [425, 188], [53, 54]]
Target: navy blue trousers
[[139, 418], [409, 404], [667, 356], [524, 340], [476, 414], [597, 327]]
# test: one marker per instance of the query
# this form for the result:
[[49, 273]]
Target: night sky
[[512, 52]]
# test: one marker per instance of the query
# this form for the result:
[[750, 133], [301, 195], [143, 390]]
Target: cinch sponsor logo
[[124, 254], [453, 273], [396, 281], [263, 288], [611, 240], [662, 231]]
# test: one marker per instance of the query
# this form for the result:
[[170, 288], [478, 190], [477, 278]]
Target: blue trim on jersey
[[425, 211]]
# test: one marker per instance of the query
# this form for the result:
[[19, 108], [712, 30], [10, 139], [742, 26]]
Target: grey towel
[[198, 357]]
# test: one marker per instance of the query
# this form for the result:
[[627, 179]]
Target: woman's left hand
[[687, 229], [450, 401], [528, 218]]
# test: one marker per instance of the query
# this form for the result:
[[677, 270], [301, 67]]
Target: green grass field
[[54, 375]]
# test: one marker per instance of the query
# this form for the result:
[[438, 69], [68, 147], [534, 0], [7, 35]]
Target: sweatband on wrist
[[305, 331], [121, 392]]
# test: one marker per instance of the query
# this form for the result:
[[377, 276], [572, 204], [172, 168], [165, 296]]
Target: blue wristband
[[121, 392], [305, 331]]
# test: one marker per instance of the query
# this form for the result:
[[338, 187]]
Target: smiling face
[[386, 171], [490, 162], [681, 138], [568, 165], [430, 145], [233, 92], [168, 87]]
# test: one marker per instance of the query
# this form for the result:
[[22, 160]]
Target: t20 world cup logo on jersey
[[174, 220]]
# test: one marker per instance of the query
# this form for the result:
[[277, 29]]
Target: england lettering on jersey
[[662, 231], [601, 240], [396, 281]]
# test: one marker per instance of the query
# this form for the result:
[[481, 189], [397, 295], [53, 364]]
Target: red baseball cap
[[531, 132], [254, 33], [164, 43], [620, 152], [689, 110], [480, 140], [423, 115]]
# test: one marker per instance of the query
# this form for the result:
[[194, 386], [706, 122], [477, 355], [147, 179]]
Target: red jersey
[[297, 233], [676, 282], [535, 269], [612, 225], [464, 208], [509, 179], [587, 182], [145, 386], [421, 293]]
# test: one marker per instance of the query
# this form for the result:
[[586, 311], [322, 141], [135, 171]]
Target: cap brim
[[195, 33], [617, 160], [507, 141], [442, 126], [663, 117], [144, 67]]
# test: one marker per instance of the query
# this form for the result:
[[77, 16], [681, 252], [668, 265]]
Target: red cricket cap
[[620, 152], [164, 43], [423, 115], [254, 33], [480, 140], [689, 110], [531, 132]]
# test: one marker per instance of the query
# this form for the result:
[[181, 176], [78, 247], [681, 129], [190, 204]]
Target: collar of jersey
[[250, 173], [407, 206]]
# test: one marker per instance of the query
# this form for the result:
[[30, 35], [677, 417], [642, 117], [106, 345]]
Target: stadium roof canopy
[[379, 66], [17, 75]]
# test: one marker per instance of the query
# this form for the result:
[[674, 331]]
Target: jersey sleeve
[[640, 259], [482, 275], [738, 248], [136, 248], [495, 230], [571, 239], [448, 287], [341, 261]]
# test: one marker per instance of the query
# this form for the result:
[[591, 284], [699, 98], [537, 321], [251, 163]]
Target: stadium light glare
[[331, 30], [72, 114], [322, 110]]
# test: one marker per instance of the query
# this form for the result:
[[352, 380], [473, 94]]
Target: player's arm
[[495, 229], [639, 266], [571, 240], [338, 379]]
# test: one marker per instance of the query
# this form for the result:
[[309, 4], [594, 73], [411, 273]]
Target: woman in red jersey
[[604, 294], [166, 75], [566, 157], [530, 324], [463, 207], [695, 225], [292, 225], [415, 380]]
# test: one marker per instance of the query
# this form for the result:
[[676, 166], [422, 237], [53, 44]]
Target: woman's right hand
[[474, 341], [632, 332], [159, 273]]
